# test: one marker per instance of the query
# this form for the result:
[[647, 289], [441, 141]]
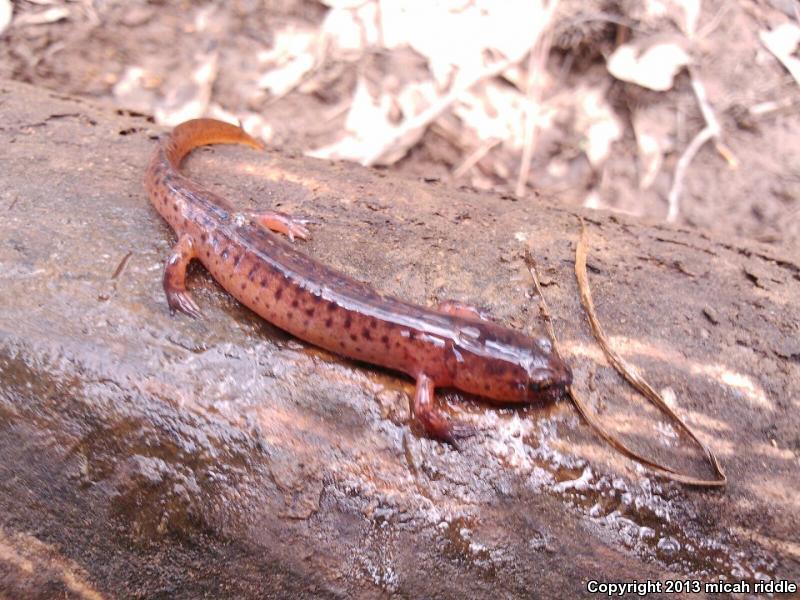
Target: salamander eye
[[534, 386]]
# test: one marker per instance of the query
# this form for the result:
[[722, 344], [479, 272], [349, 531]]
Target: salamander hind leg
[[460, 309], [175, 278], [435, 424], [283, 223]]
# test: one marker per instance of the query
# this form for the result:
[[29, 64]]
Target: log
[[146, 455]]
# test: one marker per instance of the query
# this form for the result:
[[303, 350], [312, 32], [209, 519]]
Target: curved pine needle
[[629, 374]]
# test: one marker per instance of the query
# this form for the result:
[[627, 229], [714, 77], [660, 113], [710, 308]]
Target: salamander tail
[[201, 132]]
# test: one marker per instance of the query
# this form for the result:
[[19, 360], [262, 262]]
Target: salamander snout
[[555, 375], [549, 375]]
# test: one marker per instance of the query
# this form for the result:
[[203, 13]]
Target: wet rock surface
[[150, 455]]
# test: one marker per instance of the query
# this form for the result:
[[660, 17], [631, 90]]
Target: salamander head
[[505, 365]]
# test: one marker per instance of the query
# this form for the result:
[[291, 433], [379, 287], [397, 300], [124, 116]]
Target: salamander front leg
[[282, 223], [460, 309], [431, 419], [175, 278]]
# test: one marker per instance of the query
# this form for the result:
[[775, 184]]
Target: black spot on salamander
[[496, 368], [237, 259], [244, 284], [332, 306], [310, 312], [278, 293], [203, 237], [353, 337], [263, 282], [225, 254], [252, 274], [295, 303], [385, 340], [373, 323], [328, 322], [289, 316], [366, 334], [347, 322]]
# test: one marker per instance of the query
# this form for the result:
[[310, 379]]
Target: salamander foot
[[283, 223], [436, 425], [460, 309], [175, 278]]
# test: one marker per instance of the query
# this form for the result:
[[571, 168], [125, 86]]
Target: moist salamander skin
[[450, 346]]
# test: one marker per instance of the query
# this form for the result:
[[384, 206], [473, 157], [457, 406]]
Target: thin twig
[[583, 407], [543, 309], [680, 171], [122, 264], [476, 156], [711, 130], [709, 27], [537, 62], [638, 383], [764, 108]]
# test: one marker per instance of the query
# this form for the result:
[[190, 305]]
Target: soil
[[87, 53]]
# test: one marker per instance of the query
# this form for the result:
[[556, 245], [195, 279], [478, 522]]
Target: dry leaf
[[51, 15], [654, 68], [252, 123], [280, 82], [220, 113], [343, 4], [783, 42], [478, 32], [684, 13], [343, 28], [369, 18], [651, 157], [293, 56], [190, 99], [652, 127], [372, 137], [593, 200], [6, 10], [455, 36], [598, 123], [351, 31], [134, 90], [495, 111]]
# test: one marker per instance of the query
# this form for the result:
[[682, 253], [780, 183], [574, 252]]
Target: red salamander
[[450, 346]]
